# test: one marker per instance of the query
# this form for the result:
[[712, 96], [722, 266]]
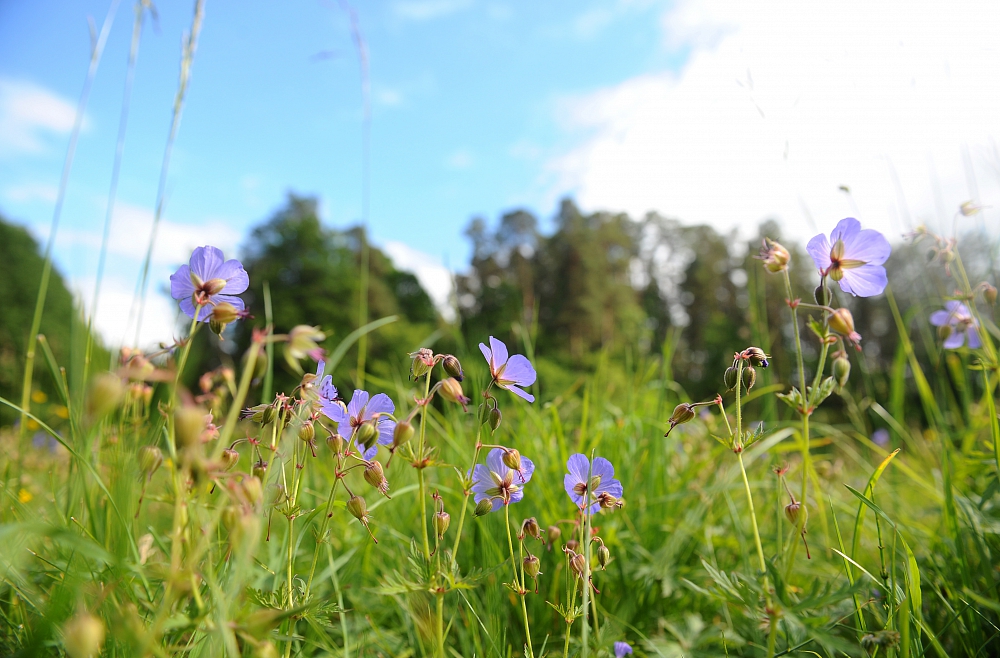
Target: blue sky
[[724, 113]]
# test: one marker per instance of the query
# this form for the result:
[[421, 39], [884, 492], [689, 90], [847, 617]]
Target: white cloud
[[435, 278], [422, 10], [29, 114], [460, 159], [28, 192], [779, 104], [160, 317]]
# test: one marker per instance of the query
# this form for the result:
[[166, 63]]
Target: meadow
[[462, 496]]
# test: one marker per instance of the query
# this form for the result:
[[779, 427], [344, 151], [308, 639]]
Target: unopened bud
[[303, 341], [572, 545], [451, 390], [375, 476], [150, 458], [358, 508], [682, 414], [336, 443], [83, 636], [841, 370], [552, 533], [730, 379], [512, 459], [402, 433], [530, 528], [262, 414], [104, 395], [453, 367], [792, 511], [366, 434], [774, 255], [307, 431], [441, 522], [603, 556], [423, 361], [259, 469], [483, 507], [532, 566], [841, 321], [757, 356], [606, 500], [749, 377], [229, 459], [578, 563], [494, 418], [222, 314], [944, 331], [253, 489], [821, 295], [189, 424], [989, 294]]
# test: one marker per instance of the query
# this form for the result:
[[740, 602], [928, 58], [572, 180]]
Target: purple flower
[[324, 388], [509, 373], [622, 649], [962, 326], [880, 437], [498, 482], [361, 409], [602, 487], [854, 259], [208, 280]]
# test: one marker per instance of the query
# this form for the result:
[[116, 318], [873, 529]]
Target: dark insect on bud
[[682, 414], [512, 459], [402, 433], [552, 533], [259, 469], [229, 459], [530, 528], [841, 370], [150, 458], [453, 367], [494, 418], [731, 378], [367, 434], [749, 377], [375, 476], [821, 295], [483, 507], [441, 522], [307, 431], [603, 556], [532, 566], [336, 443]]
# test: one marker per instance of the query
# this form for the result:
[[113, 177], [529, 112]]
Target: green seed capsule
[[532, 566], [841, 370], [441, 522], [150, 458], [367, 434], [729, 379], [484, 507], [402, 433], [358, 508], [603, 556]]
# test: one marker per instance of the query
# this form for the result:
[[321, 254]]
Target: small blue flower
[[208, 279], [509, 372], [853, 257], [361, 409], [962, 326], [602, 481], [324, 388], [622, 649], [880, 437], [498, 482]]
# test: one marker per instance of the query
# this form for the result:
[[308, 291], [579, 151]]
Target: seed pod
[[730, 378], [104, 395], [229, 459], [749, 377], [494, 418], [682, 414], [552, 533], [578, 563], [375, 476], [483, 507], [441, 522], [603, 556], [259, 469], [189, 423], [253, 490], [451, 390], [532, 566], [358, 508], [821, 295], [453, 367], [606, 500], [366, 433], [423, 361], [150, 458], [989, 294], [336, 443], [307, 431], [841, 321], [402, 433], [572, 545], [222, 314], [792, 511], [530, 528], [944, 331], [83, 636], [512, 459], [841, 370]]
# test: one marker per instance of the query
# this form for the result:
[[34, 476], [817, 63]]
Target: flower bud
[[603, 556], [366, 434], [104, 395], [757, 356], [307, 431], [336, 443], [451, 390], [512, 459], [821, 295], [494, 418], [423, 361], [841, 321], [375, 476], [682, 414], [483, 507], [402, 433], [572, 544], [262, 414], [578, 563], [253, 490], [259, 469], [775, 256], [606, 500], [552, 533], [841, 370], [150, 458], [989, 294], [453, 367], [944, 331], [792, 511], [530, 528], [532, 566], [730, 378], [222, 314], [229, 459], [358, 508], [189, 423], [749, 377], [83, 636], [441, 522]]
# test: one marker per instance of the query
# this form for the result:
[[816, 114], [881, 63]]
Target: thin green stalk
[[585, 544], [518, 584], [420, 470], [322, 533], [466, 493], [440, 624], [805, 413], [269, 327]]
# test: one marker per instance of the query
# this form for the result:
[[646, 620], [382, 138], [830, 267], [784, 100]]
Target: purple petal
[[188, 307], [613, 487], [519, 371], [385, 430], [519, 393], [868, 245], [333, 410], [489, 356], [819, 249], [205, 261], [527, 469], [579, 467], [955, 340], [180, 283], [370, 453], [320, 368], [494, 461], [972, 333], [864, 281], [237, 279], [357, 404], [956, 307], [327, 390], [569, 483], [235, 301], [379, 404], [516, 495], [940, 318], [481, 480], [847, 230], [499, 351], [602, 468], [344, 427]]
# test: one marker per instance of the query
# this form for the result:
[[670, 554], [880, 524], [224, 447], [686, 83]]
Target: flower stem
[[420, 470], [519, 585], [465, 500], [322, 534]]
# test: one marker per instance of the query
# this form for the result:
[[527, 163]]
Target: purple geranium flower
[[602, 485], [498, 482], [509, 373], [853, 257], [880, 437], [324, 387], [362, 408], [622, 649], [207, 280], [963, 327]]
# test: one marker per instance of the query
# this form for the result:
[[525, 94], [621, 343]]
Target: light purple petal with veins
[[499, 351], [379, 404], [494, 461], [819, 249], [205, 261], [357, 404], [864, 281], [386, 427], [237, 279], [335, 412], [940, 318], [519, 371], [519, 393], [180, 283]]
